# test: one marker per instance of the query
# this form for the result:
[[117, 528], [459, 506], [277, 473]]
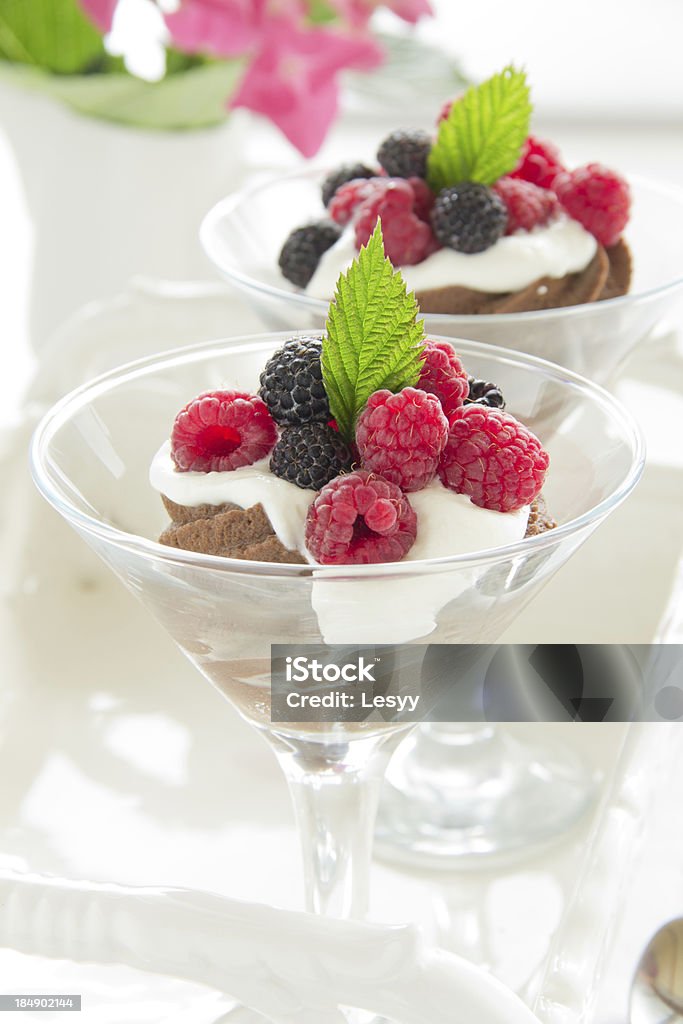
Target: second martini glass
[[91, 457]]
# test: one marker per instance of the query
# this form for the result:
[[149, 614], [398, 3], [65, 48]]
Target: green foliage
[[482, 137], [52, 34], [374, 339]]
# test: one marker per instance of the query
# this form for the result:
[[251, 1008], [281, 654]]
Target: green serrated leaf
[[482, 137], [373, 339]]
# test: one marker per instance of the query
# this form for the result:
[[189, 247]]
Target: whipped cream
[[362, 610], [285, 504], [396, 610], [514, 262]]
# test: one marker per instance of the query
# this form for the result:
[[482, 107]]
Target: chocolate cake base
[[233, 532], [606, 276], [226, 530]]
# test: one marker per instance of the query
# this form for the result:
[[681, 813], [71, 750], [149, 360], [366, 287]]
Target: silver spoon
[[657, 990]]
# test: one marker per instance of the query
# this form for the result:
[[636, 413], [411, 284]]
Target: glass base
[[454, 798]]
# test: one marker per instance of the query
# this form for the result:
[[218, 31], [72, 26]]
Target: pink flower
[[223, 28], [292, 79], [359, 12], [411, 10], [101, 12]]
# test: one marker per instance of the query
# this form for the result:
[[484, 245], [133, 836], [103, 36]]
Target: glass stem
[[460, 742], [335, 789], [460, 756]]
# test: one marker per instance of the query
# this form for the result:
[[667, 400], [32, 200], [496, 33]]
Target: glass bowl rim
[[51, 484], [226, 206]]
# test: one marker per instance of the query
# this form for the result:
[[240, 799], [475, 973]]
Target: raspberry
[[292, 383], [360, 518], [221, 430], [445, 111], [442, 375], [493, 458], [338, 177], [527, 205], [483, 392], [353, 194], [468, 217], [402, 436], [302, 250], [403, 154], [424, 198], [539, 162], [350, 195], [598, 198], [310, 456], [407, 238]]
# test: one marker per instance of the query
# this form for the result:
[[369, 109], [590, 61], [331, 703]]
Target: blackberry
[[292, 384], [301, 252], [403, 154], [468, 217], [347, 172], [310, 456], [483, 392]]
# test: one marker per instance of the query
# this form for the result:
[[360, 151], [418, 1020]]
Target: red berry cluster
[[403, 204], [404, 441], [598, 198], [533, 193]]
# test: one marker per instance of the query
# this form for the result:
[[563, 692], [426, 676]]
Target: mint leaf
[[374, 339], [482, 137]]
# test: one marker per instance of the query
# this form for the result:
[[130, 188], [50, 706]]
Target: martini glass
[[90, 459], [242, 236]]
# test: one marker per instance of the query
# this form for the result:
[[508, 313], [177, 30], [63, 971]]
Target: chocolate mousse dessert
[[370, 444], [482, 217]]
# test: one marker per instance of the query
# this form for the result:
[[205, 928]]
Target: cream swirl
[[514, 262]]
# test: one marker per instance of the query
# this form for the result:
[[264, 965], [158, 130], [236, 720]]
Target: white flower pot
[[108, 201]]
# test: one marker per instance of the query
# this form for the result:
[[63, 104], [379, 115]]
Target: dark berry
[[347, 172], [310, 456], [483, 392], [468, 217], [301, 253], [403, 154], [292, 383]]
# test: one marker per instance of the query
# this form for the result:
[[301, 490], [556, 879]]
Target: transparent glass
[[90, 459], [457, 793], [242, 236]]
